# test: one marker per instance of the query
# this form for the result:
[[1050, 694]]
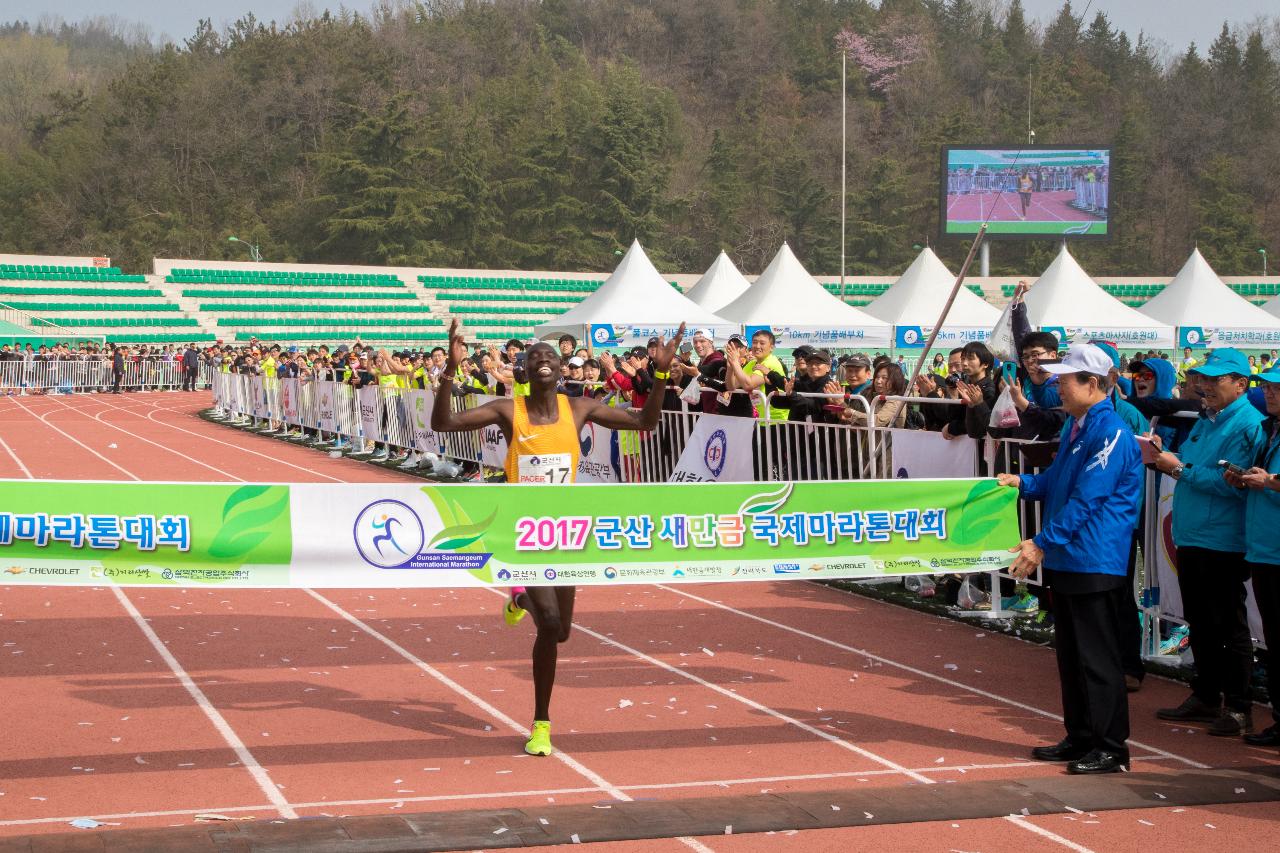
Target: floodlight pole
[[253, 248], [1263, 252], [984, 260], [946, 309], [844, 127]]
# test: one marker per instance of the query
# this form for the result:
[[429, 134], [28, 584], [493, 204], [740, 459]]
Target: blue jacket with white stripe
[[1092, 496]]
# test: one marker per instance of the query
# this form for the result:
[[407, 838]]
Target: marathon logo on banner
[[718, 451], [914, 337], [825, 337], [425, 439], [289, 400], [327, 409], [369, 425], [1200, 336], [381, 535]]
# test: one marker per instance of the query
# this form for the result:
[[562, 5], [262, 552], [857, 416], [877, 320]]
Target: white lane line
[[751, 703], [540, 793], [55, 428], [15, 458], [98, 418], [206, 437], [1019, 820], [256, 770], [568, 760], [918, 672]]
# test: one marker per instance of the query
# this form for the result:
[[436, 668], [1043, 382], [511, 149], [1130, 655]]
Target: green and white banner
[[402, 535]]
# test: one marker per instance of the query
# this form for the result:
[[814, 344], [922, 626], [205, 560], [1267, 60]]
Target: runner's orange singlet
[[543, 453]]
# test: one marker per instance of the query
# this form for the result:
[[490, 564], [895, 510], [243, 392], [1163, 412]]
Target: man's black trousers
[[1213, 601], [1088, 609], [1266, 592]]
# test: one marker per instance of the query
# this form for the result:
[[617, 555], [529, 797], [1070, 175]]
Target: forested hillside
[[545, 135]]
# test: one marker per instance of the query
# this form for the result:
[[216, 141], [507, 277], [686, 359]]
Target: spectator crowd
[[1209, 422]]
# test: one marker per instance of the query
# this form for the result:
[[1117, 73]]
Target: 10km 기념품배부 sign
[[377, 535]]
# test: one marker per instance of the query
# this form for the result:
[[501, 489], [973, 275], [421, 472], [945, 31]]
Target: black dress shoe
[[1193, 710], [1063, 751], [1270, 736], [1099, 761]]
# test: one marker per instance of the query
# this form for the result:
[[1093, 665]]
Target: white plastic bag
[[1002, 343], [692, 393], [970, 596], [1004, 414]]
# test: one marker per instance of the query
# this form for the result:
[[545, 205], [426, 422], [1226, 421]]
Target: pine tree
[[880, 218], [1227, 234], [1261, 85], [377, 203]]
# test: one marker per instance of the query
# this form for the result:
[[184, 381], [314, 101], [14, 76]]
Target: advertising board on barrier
[[1201, 336], [825, 336], [340, 535], [1123, 337], [949, 337]]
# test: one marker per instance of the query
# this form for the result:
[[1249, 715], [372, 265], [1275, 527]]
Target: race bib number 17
[[544, 468]]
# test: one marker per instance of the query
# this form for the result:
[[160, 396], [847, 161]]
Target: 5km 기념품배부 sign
[[398, 535]]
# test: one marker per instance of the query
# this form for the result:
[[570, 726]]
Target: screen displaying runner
[[1026, 192]]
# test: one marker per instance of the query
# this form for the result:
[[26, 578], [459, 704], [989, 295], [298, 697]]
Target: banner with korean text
[[404, 535]]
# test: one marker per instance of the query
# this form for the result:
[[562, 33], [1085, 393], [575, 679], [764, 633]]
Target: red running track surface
[[146, 707]]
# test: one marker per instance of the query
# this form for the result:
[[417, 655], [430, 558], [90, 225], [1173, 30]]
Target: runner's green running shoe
[[539, 742], [1024, 604], [513, 614]]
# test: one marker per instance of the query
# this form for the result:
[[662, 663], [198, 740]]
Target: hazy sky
[[1175, 22]]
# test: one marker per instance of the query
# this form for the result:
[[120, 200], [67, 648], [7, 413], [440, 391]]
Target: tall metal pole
[[946, 309], [844, 125]]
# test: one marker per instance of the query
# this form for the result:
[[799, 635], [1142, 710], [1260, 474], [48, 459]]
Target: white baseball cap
[[1081, 358], [704, 333]]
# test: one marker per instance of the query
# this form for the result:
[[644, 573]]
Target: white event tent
[[789, 302], [1208, 313], [1067, 302], [1272, 306], [915, 300], [633, 305], [719, 285]]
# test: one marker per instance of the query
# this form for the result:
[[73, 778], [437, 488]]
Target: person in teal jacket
[[1092, 499], [1262, 538], [1209, 535]]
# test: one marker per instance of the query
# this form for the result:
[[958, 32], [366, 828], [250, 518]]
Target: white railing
[[75, 377]]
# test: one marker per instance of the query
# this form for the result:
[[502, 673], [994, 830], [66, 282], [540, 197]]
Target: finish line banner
[[400, 535]]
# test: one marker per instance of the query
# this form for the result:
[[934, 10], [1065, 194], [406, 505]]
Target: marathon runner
[[542, 431]]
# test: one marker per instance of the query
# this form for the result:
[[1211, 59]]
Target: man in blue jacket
[[1209, 534], [1092, 494], [1262, 539]]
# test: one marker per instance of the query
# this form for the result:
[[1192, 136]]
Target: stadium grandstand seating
[[292, 279], [195, 303], [49, 272], [857, 293], [84, 301], [454, 282]]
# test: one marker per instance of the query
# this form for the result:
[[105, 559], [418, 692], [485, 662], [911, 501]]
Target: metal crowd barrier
[[78, 377], [335, 413]]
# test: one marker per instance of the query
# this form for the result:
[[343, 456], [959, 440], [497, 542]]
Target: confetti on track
[[662, 694]]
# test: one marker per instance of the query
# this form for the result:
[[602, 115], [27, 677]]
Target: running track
[[148, 706]]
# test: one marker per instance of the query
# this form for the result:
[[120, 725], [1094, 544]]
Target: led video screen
[[1026, 191]]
